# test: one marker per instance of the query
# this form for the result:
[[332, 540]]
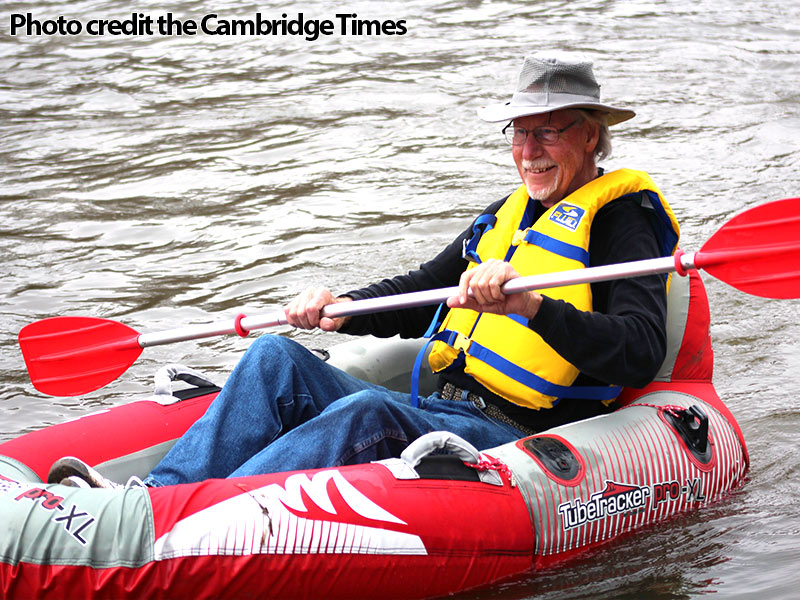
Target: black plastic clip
[[692, 425]]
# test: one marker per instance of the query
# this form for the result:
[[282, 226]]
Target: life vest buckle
[[461, 343], [519, 237]]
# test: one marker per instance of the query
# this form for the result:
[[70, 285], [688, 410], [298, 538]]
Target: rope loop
[[487, 463], [671, 409]]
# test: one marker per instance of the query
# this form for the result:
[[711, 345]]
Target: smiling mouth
[[539, 170]]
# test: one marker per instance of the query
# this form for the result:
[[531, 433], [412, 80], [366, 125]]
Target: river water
[[166, 180]]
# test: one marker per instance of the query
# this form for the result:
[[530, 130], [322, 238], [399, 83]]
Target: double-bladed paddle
[[757, 252]]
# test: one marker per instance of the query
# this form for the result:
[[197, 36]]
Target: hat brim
[[495, 113]]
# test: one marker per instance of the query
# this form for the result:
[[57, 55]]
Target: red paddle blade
[[758, 251], [69, 356]]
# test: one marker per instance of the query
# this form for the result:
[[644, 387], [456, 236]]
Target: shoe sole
[[69, 467], [76, 482]]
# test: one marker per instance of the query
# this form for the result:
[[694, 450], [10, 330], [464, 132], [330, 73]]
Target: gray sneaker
[[74, 472]]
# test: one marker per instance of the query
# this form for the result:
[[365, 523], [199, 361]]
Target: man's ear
[[592, 137]]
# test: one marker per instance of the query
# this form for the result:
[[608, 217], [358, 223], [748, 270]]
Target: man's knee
[[366, 404], [275, 348]]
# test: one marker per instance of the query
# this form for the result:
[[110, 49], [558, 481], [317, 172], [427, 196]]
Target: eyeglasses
[[545, 135]]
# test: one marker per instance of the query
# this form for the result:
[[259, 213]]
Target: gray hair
[[603, 148]]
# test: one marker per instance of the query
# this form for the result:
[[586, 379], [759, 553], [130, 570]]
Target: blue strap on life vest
[[482, 224], [527, 221], [518, 318], [420, 355], [557, 247], [527, 378], [470, 252]]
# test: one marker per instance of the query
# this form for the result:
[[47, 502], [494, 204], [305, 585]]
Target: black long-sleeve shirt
[[622, 341]]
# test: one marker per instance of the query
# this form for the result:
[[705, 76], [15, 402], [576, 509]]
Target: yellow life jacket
[[500, 351]]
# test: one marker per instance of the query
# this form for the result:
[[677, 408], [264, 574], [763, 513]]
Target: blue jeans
[[284, 409]]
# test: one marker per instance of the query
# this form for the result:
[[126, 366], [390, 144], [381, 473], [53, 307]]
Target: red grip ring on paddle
[[678, 265], [237, 325]]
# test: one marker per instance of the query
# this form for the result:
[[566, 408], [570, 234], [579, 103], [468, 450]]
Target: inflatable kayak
[[441, 518]]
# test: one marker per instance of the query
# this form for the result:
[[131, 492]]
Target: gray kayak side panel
[[60, 525], [635, 471], [385, 361]]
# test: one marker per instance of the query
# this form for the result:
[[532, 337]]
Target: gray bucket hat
[[549, 82]]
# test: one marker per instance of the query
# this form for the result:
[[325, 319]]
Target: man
[[509, 365]]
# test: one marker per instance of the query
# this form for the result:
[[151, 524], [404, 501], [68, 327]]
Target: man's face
[[552, 172]]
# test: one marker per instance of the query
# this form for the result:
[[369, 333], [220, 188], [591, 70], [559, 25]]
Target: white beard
[[541, 193]]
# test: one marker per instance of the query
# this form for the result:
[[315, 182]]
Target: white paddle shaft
[[651, 266]]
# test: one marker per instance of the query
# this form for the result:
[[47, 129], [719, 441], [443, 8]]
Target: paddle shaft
[[651, 266], [756, 252]]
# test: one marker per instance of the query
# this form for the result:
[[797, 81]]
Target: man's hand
[[304, 311], [485, 282]]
